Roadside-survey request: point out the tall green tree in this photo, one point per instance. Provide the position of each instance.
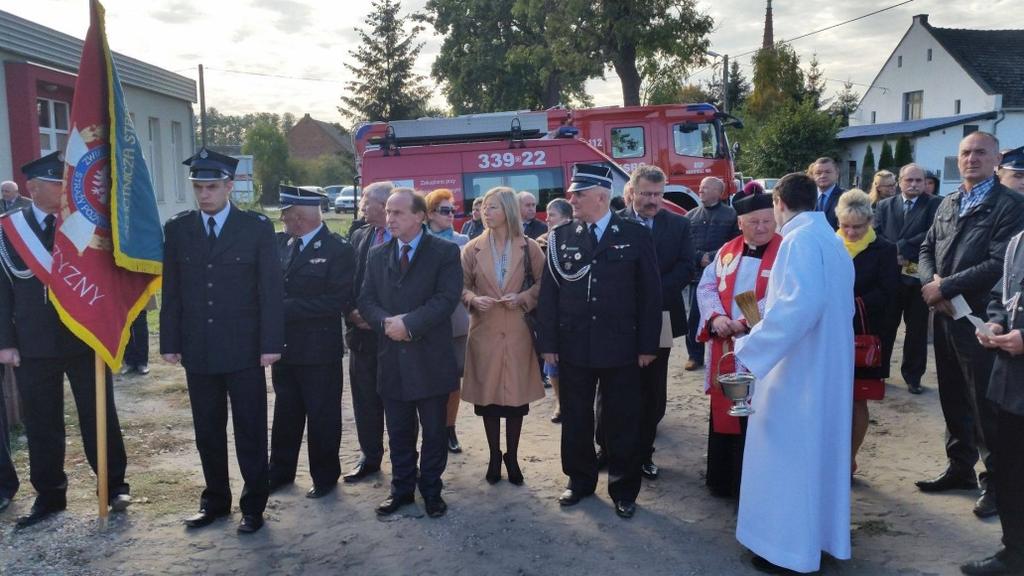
(738, 88)
(903, 154)
(844, 104)
(867, 168)
(385, 86)
(814, 83)
(792, 137)
(778, 80)
(269, 149)
(885, 158)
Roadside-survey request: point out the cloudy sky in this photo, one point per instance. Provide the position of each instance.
(286, 55)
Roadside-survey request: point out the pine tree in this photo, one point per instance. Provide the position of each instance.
(885, 159)
(814, 83)
(867, 170)
(903, 155)
(844, 104)
(385, 86)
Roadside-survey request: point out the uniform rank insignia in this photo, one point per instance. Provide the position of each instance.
(316, 246)
(318, 260)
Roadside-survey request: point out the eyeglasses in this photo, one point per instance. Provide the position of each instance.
(445, 210)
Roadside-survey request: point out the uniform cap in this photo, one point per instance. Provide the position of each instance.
(208, 166)
(586, 176)
(49, 168)
(294, 196)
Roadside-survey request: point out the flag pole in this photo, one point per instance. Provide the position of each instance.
(101, 437)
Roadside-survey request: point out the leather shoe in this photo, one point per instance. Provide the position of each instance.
(949, 480)
(250, 523)
(762, 565)
(120, 502)
(571, 497)
(392, 503)
(453, 441)
(1002, 562)
(692, 365)
(4, 503)
(38, 513)
(985, 507)
(320, 491)
(914, 387)
(602, 459)
(625, 509)
(649, 470)
(435, 506)
(556, 418)
(362, 471)
(203, 518)
(142, 369)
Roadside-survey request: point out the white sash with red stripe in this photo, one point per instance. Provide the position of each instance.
(15, 228)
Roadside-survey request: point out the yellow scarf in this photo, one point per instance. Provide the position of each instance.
(857, 247)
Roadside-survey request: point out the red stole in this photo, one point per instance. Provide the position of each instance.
(727, 268)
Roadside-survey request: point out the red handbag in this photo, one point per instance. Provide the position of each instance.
(867, 347)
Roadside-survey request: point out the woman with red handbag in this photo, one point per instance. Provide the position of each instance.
(875, 288)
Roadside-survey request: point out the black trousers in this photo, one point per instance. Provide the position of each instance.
(694, 348)
(209, 394)
(1009, 479)
(403, 429)
(622, 406)
(137, 351)
(915, 341)
(41, 386)
(306, 395)
(366, 403)
(8, 475)
(725, 460)
(963, 367)
(653, 380)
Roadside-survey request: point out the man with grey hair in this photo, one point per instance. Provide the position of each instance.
(11, 197)
(532, 227)
(903, 220)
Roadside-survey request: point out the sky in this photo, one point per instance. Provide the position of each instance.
(287, 55)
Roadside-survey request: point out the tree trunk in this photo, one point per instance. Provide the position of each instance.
(553, 91)
(625, 67)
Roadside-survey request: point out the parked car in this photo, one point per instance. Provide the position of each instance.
(325, 205)
(332, 192)
(345, 201)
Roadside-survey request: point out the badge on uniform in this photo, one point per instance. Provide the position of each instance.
(577, 256)
(579, 229)
(317, 260)
(615, 228)
(316, 245)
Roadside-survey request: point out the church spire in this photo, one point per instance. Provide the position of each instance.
(769, 33)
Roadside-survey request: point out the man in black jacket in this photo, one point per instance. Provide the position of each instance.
(962, 255)
(825, 172)
(410, 290)
(223, 319)
(532, 227)
(318, 272)
(904, 220)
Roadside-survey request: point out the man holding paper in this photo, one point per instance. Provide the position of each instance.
(961, 259)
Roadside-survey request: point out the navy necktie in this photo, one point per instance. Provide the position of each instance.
(48, 231)
(211, 234)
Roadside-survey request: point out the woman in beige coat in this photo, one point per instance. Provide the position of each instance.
(501, 374)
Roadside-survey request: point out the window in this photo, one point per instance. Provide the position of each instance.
(178, 152)
(950, 170)
(913, 104)
(956, 106)
(53, 125)
(970, 129)
(873, 116)
(628, 142)
(929, 54)
(692, 139)
(899, 61)
(545, 184)
(156, 157)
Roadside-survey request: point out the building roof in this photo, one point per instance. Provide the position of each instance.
(910, 127)
(993, 58)
(332, 131)
(42, 45)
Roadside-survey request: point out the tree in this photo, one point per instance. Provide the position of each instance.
(385, 86)
(792, 137)
(814, 83)
(778, 80)
(844, 104)
(885, 159)
(867, 169)
(322, 171)
(903, 155)
(265, 142)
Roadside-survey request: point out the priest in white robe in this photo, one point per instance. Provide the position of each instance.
(795, 491)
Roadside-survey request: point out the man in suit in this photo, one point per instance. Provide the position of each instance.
(362, 340)
(411, 287)
(600, 320)
(43, 351)
(223, 319)
(10, 198)
(674, 249)
(532, 227)
(903, 220)
(825, 173)
(962, 255)
(318, 273)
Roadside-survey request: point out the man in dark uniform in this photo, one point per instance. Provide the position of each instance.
(600, 321)
(1011, 170)
(42, 350)
(1006, 391)
(223, 319)
(318, 268)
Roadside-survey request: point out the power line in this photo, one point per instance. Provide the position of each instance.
(281, 76)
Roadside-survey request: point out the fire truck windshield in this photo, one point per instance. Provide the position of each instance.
(544, 184)
(696, 139)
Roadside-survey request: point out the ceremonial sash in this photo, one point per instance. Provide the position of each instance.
(727, 266)
(31, 249)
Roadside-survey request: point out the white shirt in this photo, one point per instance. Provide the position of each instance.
(40, 216)
(218, 220)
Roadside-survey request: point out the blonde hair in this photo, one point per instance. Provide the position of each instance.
(854, 202)
(879, 176)
(509, 202)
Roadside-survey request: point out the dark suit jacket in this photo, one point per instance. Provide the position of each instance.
(28, 321)
(535, 228)
(222, 307)
(358, 339)
(673, 246)
(1008, 371)
(830, 208)
(877, 284)
(317, 295)
(19, 202)
(426, 295)
(906, 231)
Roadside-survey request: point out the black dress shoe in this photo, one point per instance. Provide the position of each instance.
(453, 441)
(1002, 562)
(435, 506)
(493, 474)
(38, 513)
(362, 471)
(625, 509)
(949, 480)
(985, 507)
(602, 460)
(571, 497)
(392, 503)
(649, 470)
(203, 518)
(4, 503)
(320, 491)
(914, 388)
(250, 523)
(556, 418)
(142, 369)
(762, 565)
(515, 474)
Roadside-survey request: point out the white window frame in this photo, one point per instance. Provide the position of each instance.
(52, 131)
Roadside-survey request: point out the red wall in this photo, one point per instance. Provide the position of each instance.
(25, 83)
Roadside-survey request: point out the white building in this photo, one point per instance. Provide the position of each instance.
(938, 85)
(37, 82)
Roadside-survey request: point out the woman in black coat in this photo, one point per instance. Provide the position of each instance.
(876, 286)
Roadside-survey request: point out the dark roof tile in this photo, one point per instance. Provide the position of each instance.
(994, 58)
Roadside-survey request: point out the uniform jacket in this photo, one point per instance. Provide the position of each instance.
(318, 293)
(877, 284)
(674, 249)
(28, 321)
(710, 229)
(612, 314)
(222, 307)
(1006, 308)
(426, 295)
(967, 253)
(17, 203)
(906, 231)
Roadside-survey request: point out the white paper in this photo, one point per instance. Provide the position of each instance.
(980, 325)
(960, 307)
(665, 341)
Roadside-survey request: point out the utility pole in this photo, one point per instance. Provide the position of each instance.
(202, 107)
(725, 83)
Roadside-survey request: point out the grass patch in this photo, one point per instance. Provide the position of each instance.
(160, 492)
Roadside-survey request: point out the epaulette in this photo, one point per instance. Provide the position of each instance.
(258, 215)
(181, 214)
(632, 222)
(338, 237)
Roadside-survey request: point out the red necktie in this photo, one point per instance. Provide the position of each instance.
(403, 263)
